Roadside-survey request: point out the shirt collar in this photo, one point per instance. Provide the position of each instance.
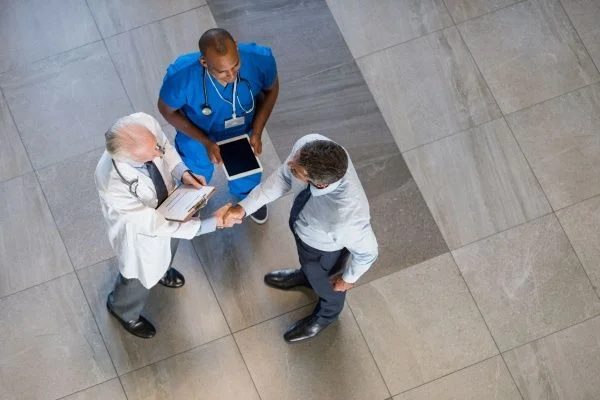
(315, 191)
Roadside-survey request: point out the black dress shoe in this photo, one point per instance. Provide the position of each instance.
(140, 328)
(172, 279)
(304, 329)
(286, 279)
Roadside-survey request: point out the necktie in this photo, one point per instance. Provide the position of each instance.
(299, 203)
(159, 183)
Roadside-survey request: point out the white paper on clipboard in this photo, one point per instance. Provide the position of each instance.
(184, 201)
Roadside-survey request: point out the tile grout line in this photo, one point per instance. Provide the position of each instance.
(369, 348)
(91, 387)
(578, 36)
(485, 322)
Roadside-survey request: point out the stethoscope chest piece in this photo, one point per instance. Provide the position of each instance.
(206, 110)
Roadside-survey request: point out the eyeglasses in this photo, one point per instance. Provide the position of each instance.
(160, 148)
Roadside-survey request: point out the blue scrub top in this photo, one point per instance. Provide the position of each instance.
(183, 89)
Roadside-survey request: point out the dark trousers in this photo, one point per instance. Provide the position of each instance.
(129, 296)
(318, 266)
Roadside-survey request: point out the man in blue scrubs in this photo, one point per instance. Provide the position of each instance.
(225, 90)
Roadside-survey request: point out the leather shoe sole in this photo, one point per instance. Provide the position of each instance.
(141, 328)
(173, 279)
(286, 279)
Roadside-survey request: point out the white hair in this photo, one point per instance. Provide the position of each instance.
(120, 139)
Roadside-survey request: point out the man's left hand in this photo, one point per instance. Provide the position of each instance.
(188, 179)
(339, 285)
(256, 142)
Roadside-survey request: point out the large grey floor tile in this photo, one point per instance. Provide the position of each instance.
(561, 140)
(73, 199)
(421, 323)
(110, 390)
(489, 380)
(334, 365)
(585, 14)
(303, 34)
(406, 232)
(528, 53)
(466, 9)
(592, 42)
(477, 183)
(428, 88)
(32, 30)
(562, 366)
(142, 55)
(212, 371)
(338, 104)
(114, 16)
(30, 245)
(580, 223)
(184, 318)
(369, 27)
(13, 158)
(63, 105)
(527, 282)
(50, 344)
(237, 259)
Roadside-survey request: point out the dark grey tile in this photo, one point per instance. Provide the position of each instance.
(13, 158)
(35, 29)
(31, 251)
(63, 105)
(338, 104)
(73, 199)
(405, 229)
(303, 34)
(114, 16)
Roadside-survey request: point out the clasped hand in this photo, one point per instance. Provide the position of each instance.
(229, 215)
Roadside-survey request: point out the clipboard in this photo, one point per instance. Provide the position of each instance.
(185, 201)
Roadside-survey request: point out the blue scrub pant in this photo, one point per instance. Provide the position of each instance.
(195, 157)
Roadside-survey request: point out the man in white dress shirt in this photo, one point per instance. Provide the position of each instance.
(134, 176)
(330, 220)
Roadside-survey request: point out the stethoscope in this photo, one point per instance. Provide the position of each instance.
(133, 184)
(207, 110)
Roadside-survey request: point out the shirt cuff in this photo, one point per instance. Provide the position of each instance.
(178, 171)
(208, 225)
(246, 204)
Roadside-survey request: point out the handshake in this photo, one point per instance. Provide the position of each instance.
(229, 215)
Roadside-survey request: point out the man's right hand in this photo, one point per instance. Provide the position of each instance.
(214, 153)
(233, 214)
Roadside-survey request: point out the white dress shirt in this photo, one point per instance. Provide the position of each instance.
(333, 218)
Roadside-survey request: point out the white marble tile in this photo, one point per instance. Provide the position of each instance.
(30, 245)
(35, 29)
(115, 16)
(562, 366)
(528, 53)
(561, 141)
(476, 183)
(142, 55)
(63, 105)
(73, 199)
(462, 10)
(13, 158)
(369, 27)
(51, 346)
(489, 380)
(212, 371)
(110, 390)
(334, 365)
(184, 318)
(428, 88)
(527, 282)
(421, 323)
(580, 223)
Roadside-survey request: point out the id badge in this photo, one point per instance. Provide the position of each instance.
(233, 122)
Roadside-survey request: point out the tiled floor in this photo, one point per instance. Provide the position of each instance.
(474, 126)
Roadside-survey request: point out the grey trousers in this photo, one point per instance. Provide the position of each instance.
(129, 296)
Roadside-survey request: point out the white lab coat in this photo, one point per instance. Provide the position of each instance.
(138, 234)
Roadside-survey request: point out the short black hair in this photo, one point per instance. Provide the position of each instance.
(325, 161)
(217, 39)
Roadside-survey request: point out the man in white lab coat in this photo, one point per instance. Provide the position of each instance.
(134, 175)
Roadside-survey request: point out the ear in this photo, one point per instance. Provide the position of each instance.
(203, 61)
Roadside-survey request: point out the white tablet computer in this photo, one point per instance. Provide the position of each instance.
(238, 158)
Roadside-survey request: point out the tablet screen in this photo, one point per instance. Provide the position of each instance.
(238, 157)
